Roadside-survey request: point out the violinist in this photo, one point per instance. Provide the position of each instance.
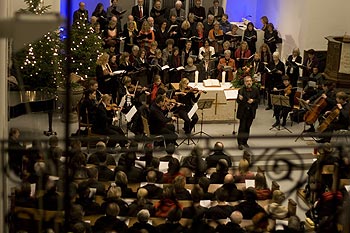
(187, 96)
(159, 123)
(282, 111)
(156, 85)
(227, 64)
(104, 124)
(93, 86)
(88, 106)
(276, 70)
(341, 121)
(327, 94)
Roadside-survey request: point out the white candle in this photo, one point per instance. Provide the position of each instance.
(223, 77)
(196, 73)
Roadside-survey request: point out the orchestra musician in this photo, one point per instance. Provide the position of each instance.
(93, 86)
(154, 87)
(187, 96)
(248, 100)
(88, 106)
(341, 121)
(159, 123)
(282, 111)
(328, 94)
(226, 62)
(104, 124)
(276, 70)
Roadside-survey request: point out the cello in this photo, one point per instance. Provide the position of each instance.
(330, 118)
(311, 116)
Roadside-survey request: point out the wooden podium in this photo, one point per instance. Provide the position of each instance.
(338, 61)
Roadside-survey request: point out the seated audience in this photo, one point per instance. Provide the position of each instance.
(222, 210)
(104, 173)
(249, 207)
(154, 191)
(92, 182)
(95, 157)
(121, 180)
(204, 183)
(275, 209)
(141, 203)
(262, 190)
(243, 172)
(110, 222)
(167, 203)
(173, 171)
(134, 174)
(23, 197)
(221, 171)
(114, 195)
(229, 186)
(180, 191)
(172, 224)
(195, 211)
(76, 217)
(218, 154)
(87, 200)
(233, 225)
(195, 164)
(143, 216)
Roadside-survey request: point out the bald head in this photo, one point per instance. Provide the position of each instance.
(142, 193)
(228, 179)
(219, 146)
(151, 176)
(236, 217)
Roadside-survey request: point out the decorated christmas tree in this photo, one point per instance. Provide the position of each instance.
(39, 64)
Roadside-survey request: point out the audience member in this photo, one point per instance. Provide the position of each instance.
(76, 217)
(92, 182)
(262, 190)
(180, 191)
(172, 224)
(195, 211)
(249, 207)
(110, 222)
(218, 154)
(243, 172)
(167, 203)
(173, 171)
(143, 216)
(142, 202)
(104, 173)
(95, 157)
(121, 180)
(87, 200)
(275, 209)
(204, 183)
(229, 186)
(222, 210)
(114, 195)
(154, 191)
(234, 224)
(221, 171)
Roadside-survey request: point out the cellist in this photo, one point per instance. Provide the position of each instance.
(340, 122)
(327, 93)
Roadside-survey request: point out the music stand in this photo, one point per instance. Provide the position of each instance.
(282, 101)
(305, 105)
(203, 104)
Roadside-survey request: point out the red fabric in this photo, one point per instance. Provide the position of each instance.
(163, 207)
(154, 92)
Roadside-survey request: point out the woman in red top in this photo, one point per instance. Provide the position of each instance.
(147, 36)
(173, 171)
(242, 53)
(167, 203)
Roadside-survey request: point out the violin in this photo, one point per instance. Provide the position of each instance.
(193, 90)
(136, 88)
(112, 107)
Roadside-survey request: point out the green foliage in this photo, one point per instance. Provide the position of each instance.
(40, 63)
(35, 7)
(246, 70)
(86, 47)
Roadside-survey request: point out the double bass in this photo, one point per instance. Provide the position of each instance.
(311, 116)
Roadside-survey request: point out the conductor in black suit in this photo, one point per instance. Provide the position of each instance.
(103, 124)
(248, 100)
(140, 13)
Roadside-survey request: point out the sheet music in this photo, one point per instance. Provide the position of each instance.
(131, 113)
(163, 166)
(122, 101)
(140, 164)
(231, 94)
(249, 183)
(32, 190)
(119, 72)
(192, 111)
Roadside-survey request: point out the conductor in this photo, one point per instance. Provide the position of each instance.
(248, 100)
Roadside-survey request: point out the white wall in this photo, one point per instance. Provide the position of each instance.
(15, 5)
(305, 23)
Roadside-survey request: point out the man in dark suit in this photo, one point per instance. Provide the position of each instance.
(159, 123)
(81, 15)
(216, 10)
(140, 13)
(154, 191)
(103, 124)
(218, 154)
(248, 100)
(198, 11)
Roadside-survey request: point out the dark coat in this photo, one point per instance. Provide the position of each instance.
(244, 108)
(154, 192)
(107, 223)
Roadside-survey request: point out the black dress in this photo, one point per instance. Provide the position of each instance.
(251, 40)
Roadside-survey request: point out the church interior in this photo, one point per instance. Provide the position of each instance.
(175, 116)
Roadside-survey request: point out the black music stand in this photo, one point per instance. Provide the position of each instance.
(305, 105)
(282, 101)
(203, 104)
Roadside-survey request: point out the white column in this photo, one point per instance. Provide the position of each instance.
(223, 4)
(3, 110)
(187, 7)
